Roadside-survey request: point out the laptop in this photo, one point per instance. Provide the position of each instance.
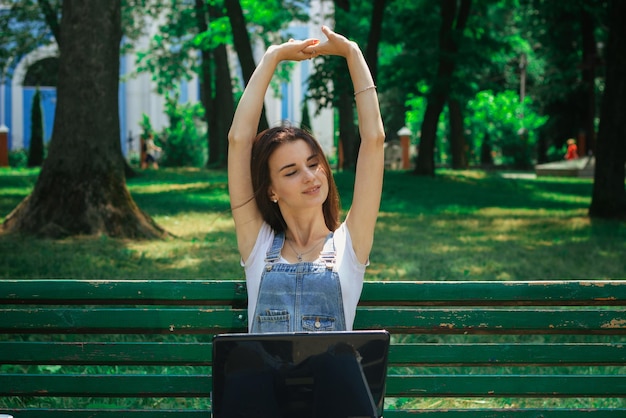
(339, 374)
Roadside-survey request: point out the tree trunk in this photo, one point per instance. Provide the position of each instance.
(347, 131)
(206, 85)
(342, 86)
(458, 148)
(609, 196)
(243, 47)
(81, 188)
(373, 39)
(225, 104)
(590, 58)
(448, 46)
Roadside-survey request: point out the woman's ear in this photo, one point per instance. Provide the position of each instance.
(272, 196)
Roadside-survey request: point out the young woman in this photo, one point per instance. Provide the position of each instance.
(304, 268)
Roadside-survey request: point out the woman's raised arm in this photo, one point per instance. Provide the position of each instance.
(246, 214)
(361, 219)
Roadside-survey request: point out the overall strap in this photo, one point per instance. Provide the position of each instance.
(273, 254)
(329, 253)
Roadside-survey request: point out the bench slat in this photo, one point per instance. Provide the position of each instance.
(438, 385)
(604, 292)
(505, 321)
(105, 385)
(425, 354)
(107, 413)
(403, 320)
(123, 320)
(539, 292)
(508, 413)
(122, 291)
(106, 353)
(503, 354)
(461, 413)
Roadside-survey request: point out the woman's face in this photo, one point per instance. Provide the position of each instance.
(298, 179)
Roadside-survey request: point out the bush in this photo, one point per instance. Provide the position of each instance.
(184, 142)
(510, 124)
(18, 158)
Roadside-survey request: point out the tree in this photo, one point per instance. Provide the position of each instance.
(81, 188)
(361, 22)
(35, 151)
(453, 19)
(241, 40)
(609, 196)
(342, 91)
(565, 38)
(216, 83)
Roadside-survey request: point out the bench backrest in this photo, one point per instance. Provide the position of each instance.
(148, 345)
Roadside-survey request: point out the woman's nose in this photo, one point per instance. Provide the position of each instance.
(309, 174)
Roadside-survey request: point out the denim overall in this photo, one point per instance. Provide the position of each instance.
(299, 297)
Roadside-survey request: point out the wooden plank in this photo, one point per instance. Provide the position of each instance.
(562, 292)
(106, 353)
(439, 385)
(498, 321)
(122, 320)
(508, 413)
(52, 291)
(600, 292)
(107, 413)
(414, 354)
(109, 385)
(443, 413)
(463, 413)
(549, 386)
(399, 320)
(507, 354)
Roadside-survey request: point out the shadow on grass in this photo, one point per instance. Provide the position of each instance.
(455, 226)
(455, 193)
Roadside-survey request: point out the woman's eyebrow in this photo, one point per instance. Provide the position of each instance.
(290, 165)
(286, 167)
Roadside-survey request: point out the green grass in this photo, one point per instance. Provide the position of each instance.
(468, 225)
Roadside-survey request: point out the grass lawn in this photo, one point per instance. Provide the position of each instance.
(468, 225)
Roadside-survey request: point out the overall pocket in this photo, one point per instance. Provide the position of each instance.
(318, 323)
(273, 320)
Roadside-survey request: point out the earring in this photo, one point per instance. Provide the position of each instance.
(275, 200)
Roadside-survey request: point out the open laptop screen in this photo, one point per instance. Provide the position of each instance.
(319, 374)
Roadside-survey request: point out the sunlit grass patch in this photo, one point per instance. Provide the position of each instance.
(458, 225)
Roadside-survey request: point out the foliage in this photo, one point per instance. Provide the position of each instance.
(18, 158)
(183, 141)
(494, 117)
(23, 30)
(146, 127)
(511, 125)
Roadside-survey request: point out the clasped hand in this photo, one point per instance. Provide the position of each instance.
(294, 50)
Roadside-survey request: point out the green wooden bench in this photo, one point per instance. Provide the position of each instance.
(133, 348)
